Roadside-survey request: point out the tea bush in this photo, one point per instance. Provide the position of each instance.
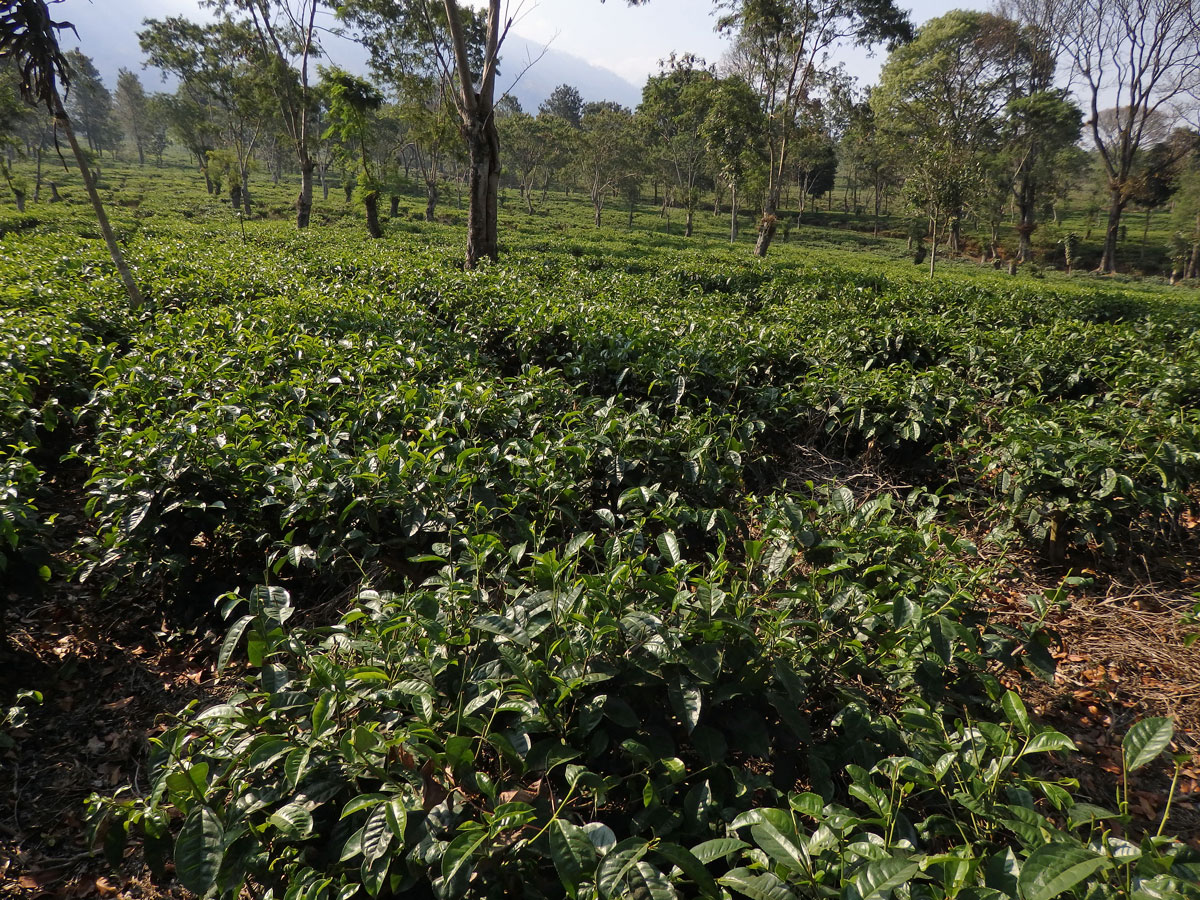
(606, 636)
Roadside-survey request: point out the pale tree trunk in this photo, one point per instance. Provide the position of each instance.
(64, 122)
(933, 246)
(1194, 267)
(733, 218)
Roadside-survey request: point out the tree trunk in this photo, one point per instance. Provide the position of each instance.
(394, 210)
(733, 218)
(304, 201)
(247, 202)
(20, 197)
(1145, 239)
(933, 248)
(768, 225)
(64, 122)
(1026, 219)
(631, 205)
(37, 184)
(1108, 262)
(55, 197)
(687, 231)
(431, 199)
(528, 191)
(483, 141)
(371, 202)
(1194, 267)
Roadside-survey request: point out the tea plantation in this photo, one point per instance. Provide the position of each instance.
(627, 567)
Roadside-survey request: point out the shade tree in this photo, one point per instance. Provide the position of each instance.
(1133, 62)
(284, 39)
(949, 89)
(733, 131)
(780, 47)
(566, 103)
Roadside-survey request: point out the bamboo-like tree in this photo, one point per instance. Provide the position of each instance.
(29, 37)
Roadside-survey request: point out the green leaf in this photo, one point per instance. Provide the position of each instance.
(397, 818)
(781, 848)
(199, 851)
(614, 871)
(842, 501)
(757, 887)
(293, 820)
(577, 543)
(573, 854)
(232, 639)
(503, 627)
(668, 546)
(1048, 741)
(458, 862)
(647, 883)
(1015, 710)
(880, 876)
(1053, 869)
(690, 866)
(377, 834)
(686, 699)
(1145, 741)
(719, 848)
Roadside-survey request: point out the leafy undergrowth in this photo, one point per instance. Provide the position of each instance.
(585, 575)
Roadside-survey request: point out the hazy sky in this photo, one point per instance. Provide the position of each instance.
(629, 41)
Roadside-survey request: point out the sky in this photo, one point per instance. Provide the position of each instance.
(627, 41)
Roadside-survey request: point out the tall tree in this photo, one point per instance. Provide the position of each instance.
(89, 102)
(733, 131)
(532, 145)
(29, 37)
(15, 117)
(285, 32)
(219, 81)
(133, 112)
(1133, 61)
(566, 102)
(605, 155)
(864, 151)
(781, 46)
(674, 105)
(352, 101)
(950, 87)
(469, 67)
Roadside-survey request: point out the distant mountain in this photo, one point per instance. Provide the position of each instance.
(554, 68)
(111, 41)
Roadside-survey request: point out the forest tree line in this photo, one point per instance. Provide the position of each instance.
(981, 126)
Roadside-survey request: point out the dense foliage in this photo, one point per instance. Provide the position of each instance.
(611, 615)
